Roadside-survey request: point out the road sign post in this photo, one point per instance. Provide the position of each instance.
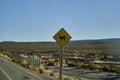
(61, 37)
(61, 61)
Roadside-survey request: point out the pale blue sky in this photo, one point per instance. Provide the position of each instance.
(39, 20)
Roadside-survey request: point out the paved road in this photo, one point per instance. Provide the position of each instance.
(3, 75)
(15, 73)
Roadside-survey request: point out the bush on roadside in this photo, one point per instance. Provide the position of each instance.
(30, 67)
(52, 74)
(35, 68)
(15, 60)
(24, 63)
(42, 69)
(67, 78)
(1, 55)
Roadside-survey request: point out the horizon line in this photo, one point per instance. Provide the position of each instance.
(55, 41)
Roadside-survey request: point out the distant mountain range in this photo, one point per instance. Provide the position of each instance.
(8, 42)
(110, 40)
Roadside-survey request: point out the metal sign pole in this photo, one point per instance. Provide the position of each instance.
(61, 61)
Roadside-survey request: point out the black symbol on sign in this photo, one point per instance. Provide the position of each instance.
(62, 37)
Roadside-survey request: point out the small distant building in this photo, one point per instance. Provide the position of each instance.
(75, 58)
(24, 56)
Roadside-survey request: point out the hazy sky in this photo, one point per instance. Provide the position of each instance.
(39, 20)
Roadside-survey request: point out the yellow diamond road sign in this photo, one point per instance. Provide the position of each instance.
(62, 37)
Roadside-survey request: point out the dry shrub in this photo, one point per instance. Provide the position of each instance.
(30, 67)
(42, 69)
(67, 78)
(52, 74)
(1, 55)
(35, 68)
(24, 63)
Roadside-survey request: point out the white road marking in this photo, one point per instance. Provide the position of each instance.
(5, 73)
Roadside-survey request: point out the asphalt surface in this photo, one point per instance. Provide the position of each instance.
(14, 73)
(3, 76)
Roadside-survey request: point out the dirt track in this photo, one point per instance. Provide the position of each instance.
(87, 74)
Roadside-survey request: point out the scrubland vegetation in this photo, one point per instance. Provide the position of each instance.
(86, 53)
